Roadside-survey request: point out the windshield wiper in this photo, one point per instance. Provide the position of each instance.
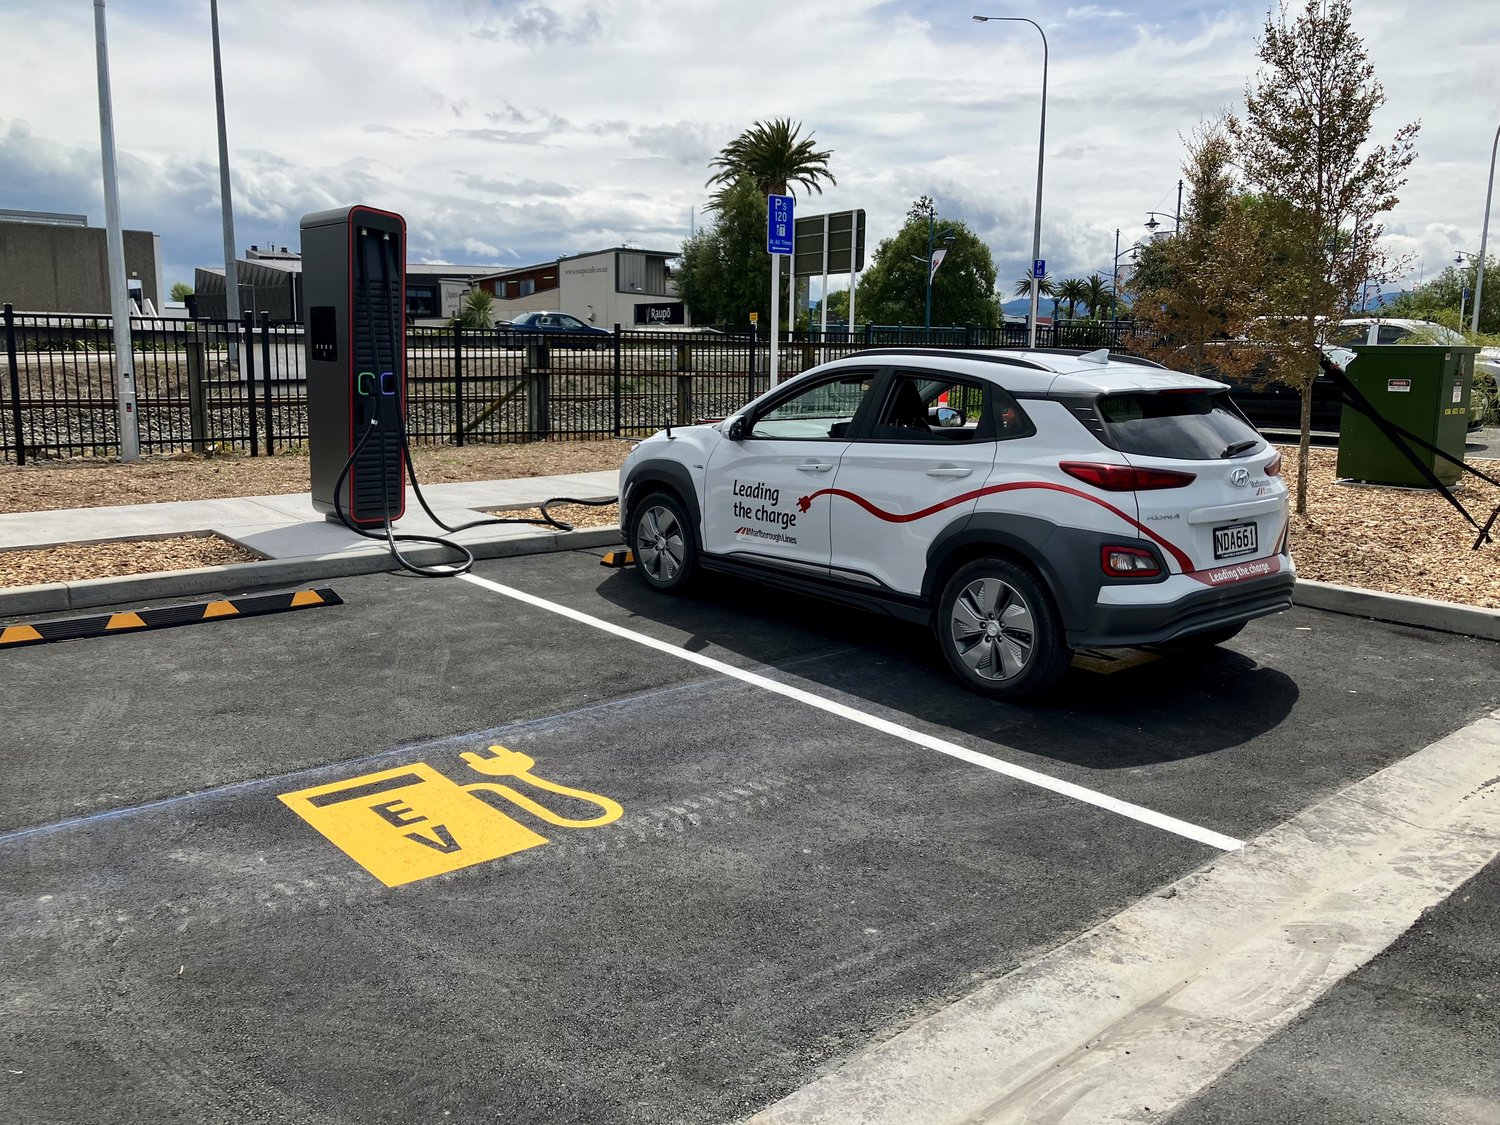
(1239, 447)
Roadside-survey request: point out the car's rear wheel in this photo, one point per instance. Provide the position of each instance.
(1197, 642)
(662, 541)
(999, 630)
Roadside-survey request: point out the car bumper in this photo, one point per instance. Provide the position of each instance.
(1122, 624)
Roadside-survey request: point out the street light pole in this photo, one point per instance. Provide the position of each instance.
(1485, 233)
(1041, 145)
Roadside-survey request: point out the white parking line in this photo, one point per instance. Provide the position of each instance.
(885, 726)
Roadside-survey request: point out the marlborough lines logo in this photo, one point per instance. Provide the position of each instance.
(805, 502)
(412, 823)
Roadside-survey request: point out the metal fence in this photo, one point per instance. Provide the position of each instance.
(243, 385)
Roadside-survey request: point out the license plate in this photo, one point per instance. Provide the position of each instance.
(1235, 540)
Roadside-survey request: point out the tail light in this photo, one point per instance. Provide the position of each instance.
(1128, 562)
(1125, 478)
(1274, 468)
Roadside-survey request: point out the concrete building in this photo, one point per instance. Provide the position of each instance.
(622, 285)
(57, 263)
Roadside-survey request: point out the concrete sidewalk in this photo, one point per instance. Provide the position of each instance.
(297, 543)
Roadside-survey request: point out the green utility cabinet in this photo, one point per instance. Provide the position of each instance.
(1423, 388)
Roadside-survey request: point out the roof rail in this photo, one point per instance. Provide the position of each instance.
(985, 355)
(1115, 357)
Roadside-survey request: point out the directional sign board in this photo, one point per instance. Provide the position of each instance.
(778, 224)
(846, 232)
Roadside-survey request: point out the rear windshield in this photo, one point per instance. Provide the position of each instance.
(1198, 426)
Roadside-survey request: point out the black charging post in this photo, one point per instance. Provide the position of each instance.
(354, 291)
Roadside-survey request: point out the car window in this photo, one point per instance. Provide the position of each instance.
(1391, 334)
(820, 411)
(932, 408)
(1349, 335)
(569, 322)
(1192, 426)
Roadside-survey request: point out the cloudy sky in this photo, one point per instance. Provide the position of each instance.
(514, 131)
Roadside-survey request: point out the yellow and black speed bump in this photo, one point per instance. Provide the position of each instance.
(617, 559)
(99, 625)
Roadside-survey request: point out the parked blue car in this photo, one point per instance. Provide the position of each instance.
(555, 329)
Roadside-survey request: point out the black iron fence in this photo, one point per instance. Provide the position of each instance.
(205, 384)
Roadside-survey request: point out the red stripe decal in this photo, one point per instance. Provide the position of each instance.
(989, 490)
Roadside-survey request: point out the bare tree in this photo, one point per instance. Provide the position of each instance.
(1304, 145)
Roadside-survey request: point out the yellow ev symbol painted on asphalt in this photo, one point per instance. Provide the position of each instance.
(412, 823)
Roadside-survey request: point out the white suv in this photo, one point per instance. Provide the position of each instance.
(1020, 503)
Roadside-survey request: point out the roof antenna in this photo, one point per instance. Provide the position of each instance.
(1100, 355)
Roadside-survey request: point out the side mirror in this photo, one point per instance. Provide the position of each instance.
(736, 431)
(947, 417)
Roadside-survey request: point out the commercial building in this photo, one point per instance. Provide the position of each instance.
(622, 285)
(57, 263)
(270, 281)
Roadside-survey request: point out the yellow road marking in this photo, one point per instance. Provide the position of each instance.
(219, 609)
(125, 621)
(13, 633)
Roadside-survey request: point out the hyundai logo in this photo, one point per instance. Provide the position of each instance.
(1239, 477)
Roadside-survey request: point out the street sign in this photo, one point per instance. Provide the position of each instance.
(779, 227)
(846, 232)
(1039, 268)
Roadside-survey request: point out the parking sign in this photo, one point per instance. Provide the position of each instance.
(780, 229)
(1039, 268)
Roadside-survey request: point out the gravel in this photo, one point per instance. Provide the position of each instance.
(1399, 541)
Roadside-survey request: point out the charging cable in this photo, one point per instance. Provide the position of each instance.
(385, 250)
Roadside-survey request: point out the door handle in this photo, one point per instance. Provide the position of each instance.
(814, 467)
(949, 471)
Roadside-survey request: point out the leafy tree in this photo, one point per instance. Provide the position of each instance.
(1307, 121)
(180, 291)
(477, 310)
(1196, 292)
(1441, 298)
(893, 289)
(1073, 292)
(838, 304)
(723, 272)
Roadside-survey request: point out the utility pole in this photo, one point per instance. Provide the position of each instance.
(119, 296)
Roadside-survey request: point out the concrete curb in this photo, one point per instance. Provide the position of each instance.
(1446, 617)
(53, 597)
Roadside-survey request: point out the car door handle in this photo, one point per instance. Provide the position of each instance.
(814, 467)
(949, 471)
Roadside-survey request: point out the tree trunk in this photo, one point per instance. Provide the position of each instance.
(1304, 445)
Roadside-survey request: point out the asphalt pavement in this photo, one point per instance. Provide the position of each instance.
(272, 869)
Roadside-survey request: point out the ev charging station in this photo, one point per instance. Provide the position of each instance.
(354, 291)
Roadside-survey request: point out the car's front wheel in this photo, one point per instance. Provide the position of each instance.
(999, 630)
(662, 541)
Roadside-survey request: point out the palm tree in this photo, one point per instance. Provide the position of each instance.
(771, 157)
(1096, 296)
(1074, 292)
(1044, 288)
